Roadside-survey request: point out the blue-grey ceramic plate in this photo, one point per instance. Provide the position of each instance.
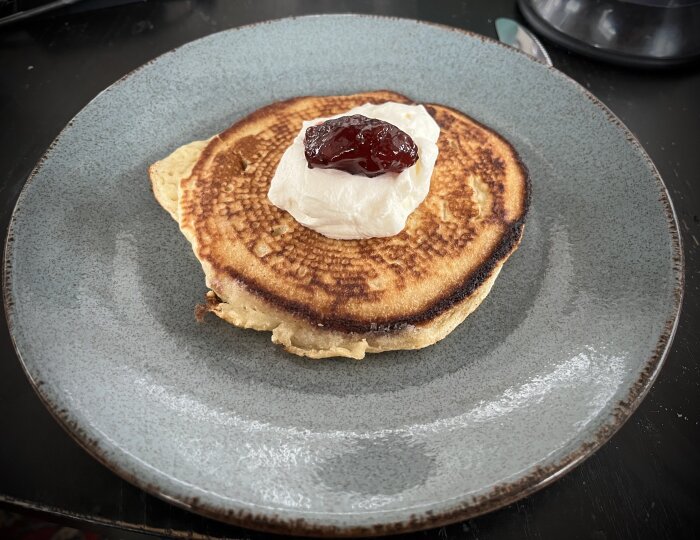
(101, 285)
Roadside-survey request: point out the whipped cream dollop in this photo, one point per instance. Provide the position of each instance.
(346, 206)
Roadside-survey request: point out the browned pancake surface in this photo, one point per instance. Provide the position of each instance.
(471, 220)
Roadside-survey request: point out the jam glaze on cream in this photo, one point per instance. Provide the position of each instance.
(359, 145)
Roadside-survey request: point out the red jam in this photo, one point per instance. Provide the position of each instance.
(359, 145)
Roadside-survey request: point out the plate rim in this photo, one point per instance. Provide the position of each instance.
(461, 509)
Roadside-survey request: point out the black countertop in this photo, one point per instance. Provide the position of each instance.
(644, 483)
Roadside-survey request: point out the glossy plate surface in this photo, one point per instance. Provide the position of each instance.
(100, 288)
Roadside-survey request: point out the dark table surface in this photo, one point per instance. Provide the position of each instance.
(644, 483)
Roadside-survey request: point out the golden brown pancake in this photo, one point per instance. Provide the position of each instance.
(323, 297)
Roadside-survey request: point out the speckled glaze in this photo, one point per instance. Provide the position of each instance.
(100, 288)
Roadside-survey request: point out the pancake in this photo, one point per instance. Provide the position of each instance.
(322, 297)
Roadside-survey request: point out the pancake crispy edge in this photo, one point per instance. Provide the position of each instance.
(181, 180)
